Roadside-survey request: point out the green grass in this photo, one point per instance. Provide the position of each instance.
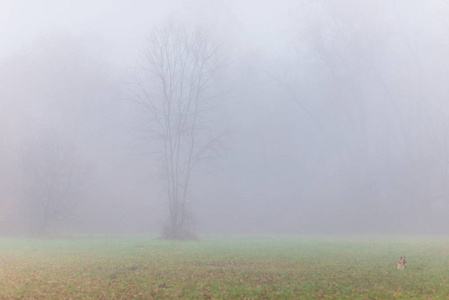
(228, 268)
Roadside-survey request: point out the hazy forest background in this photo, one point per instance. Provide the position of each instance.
(335, 115)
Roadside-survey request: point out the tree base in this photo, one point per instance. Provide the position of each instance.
(168, 233)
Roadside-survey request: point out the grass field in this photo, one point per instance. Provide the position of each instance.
(230, 268)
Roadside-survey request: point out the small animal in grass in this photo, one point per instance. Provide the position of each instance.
(402, 263)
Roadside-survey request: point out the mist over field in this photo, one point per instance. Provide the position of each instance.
(319, 117)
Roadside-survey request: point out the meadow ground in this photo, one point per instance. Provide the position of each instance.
(265, 267)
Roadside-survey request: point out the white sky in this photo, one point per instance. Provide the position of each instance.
(123, 24)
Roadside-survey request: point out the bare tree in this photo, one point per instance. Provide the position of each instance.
(175, 84)
(56, 180)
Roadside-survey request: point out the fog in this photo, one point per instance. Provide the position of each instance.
(333, 117)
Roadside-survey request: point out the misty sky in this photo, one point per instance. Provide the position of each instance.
(337, 112)
(123, 26)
